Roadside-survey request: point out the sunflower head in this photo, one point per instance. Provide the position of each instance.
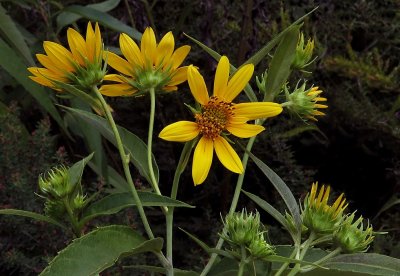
(318, 216)
(352, 236)
(305, 102)
(303, 53)
(153, 65)
(80, 66)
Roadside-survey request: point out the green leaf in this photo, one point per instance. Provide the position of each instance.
(364, 263)
(12, 64)
(67, 18)
(203, 245)
(13, 36)
(134, 146)
(98, 250)
(263, 52)
(76, 170)
(282, 189)
(269, 209)
(104, 19)
(32, 215)
(157, 269)
(248, 90)
(280, 66)
(114, 203)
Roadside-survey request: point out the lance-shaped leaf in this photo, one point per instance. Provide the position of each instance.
(76, 170)
(98, 250)
(31, 215)
(133, 145)
(114, 203)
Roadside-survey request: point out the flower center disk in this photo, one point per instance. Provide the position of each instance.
(214, 117)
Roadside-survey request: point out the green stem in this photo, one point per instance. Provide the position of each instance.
(153, 180)
(234, 202)
(330, 255)
(242, 261)
(125, 163)
(305, 247)
(74, 222)
(174, 191)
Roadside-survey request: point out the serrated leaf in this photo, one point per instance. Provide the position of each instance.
(31, 215)
(133, 145)
(157, 269)
(12, 64)
(67, 18)
(98, 250)
(11, 33)
(104, 19)
(280, 66)
(114, 203)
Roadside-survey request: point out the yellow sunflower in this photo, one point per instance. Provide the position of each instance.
(219, 116)
(82, 66)
(314, 94)
(152, 66)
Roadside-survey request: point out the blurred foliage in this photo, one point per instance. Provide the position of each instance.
(356, 149)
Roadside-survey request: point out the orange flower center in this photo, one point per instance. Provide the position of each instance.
(214, 117)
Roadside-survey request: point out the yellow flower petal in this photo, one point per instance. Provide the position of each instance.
(202, 159)
(97, 41)
(255, 111)
(227, 155)
(181, 131)
(244, 130)
(118, 63)
(46, 62)
(115, 77)
(179, 56)
(42, 81)
(238, 81)
(179, 76)
(119, 89)
(165, 49)
(197, 85)
(130, 50)
(170, 88)
(59, 55)
(221, 77)
(148, 46)
(77, 45)
(47, 74)
(90, 42)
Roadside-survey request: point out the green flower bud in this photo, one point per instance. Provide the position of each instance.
(55, 183)
(242, 228)
(262, 82)
(304, 103)
(54, 209)
(319, 217)
(352, 237)
(79, 202)
(259, 248)
(156, 78)
(303, 53)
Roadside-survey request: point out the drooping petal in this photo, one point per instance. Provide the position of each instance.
(118, 63)
(221, 77)
(130, 50)
(179, 56)
(148, 46)
(244, 130)
(238, 81)
(47, 74)
(165, 49)
(197, 85)
(59, 55)
(118, 89)
(42, 80)
(77, 45)
(259, 110)
(179, 76)
(227, 155)
(202, 159)
(181, 131)
(114, 77)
